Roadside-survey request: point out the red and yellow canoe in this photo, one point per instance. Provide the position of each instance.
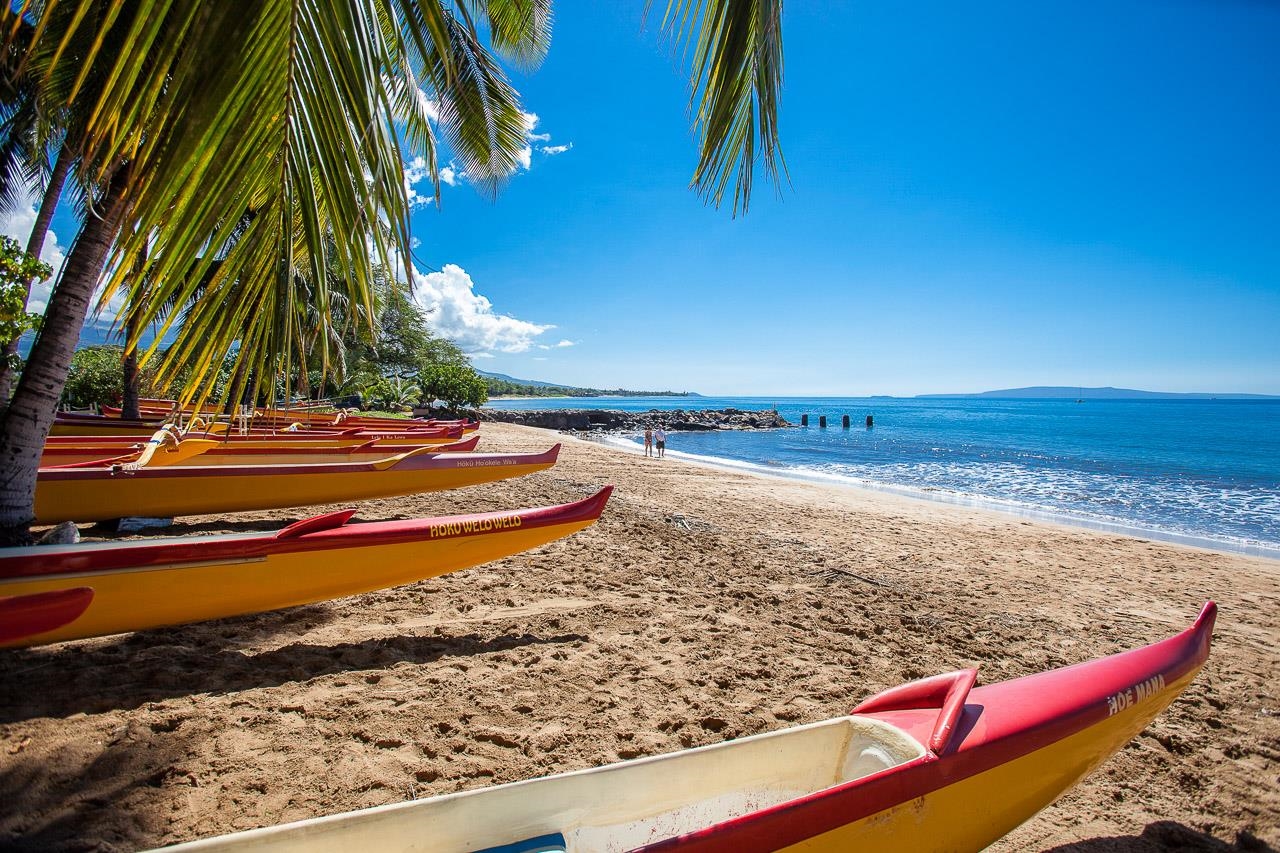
(73, 424)
(157, 582)
(320, 414)
(100, 494)
(196, 451)
(931, 766)
(28, 615)
(255, 438)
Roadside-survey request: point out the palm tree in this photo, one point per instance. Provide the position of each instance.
(28, 144)
(291, 114)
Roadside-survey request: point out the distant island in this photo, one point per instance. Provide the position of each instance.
(1071, 392)
(502, 385)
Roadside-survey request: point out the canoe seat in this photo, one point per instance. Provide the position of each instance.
(553, 843)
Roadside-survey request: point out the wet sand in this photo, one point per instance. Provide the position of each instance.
(705, 605)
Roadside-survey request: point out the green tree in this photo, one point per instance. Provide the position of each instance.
(17, 272)
(452, 384)
(94, 378)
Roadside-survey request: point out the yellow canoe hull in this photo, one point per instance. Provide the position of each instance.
(973, 813)
(152, 595)
(200, 452)
(84, 495)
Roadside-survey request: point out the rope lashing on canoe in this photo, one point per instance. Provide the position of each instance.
(165, 436)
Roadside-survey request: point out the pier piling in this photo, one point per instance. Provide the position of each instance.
(804, 420)
(844, 422)
(822, 421)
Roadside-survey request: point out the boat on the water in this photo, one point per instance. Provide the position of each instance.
(101, 494)
(150, 583)
(23, 616)
(932, 765)
(199, 451)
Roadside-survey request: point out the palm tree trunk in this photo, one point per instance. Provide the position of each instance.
(35, 243)
(25, 424)
(129, 407)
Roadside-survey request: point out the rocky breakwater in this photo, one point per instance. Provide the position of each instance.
(613, 420)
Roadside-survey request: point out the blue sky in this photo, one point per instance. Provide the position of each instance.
(982, 196)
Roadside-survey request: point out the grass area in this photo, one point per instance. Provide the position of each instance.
(382, 413)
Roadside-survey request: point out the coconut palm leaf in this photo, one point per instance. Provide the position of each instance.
(287, 109)
(519, 30)
(736, 73)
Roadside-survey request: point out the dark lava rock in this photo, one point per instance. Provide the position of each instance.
(612, 420)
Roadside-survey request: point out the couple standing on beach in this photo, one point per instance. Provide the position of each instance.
(649, 436)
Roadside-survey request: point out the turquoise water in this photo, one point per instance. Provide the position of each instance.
(1200, 471)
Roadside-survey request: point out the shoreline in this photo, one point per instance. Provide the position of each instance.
(705, 605)
(1044, 516)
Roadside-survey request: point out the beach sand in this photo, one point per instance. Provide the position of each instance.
(705, 605)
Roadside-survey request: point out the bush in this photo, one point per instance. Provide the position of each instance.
(18, 271)
(453, 384)
(95, 378)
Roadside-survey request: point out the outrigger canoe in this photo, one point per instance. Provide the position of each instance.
(149, 408)
(268, 438)
(81, 424)
(933, 765)
(100, 494)
(197, 451)
(156, 582)
(23, 616)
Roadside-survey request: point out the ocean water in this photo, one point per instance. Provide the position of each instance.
(1204, 472)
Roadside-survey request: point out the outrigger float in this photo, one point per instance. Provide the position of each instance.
(157, 582)
(931, 766)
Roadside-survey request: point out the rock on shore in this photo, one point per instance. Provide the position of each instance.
(612, 420)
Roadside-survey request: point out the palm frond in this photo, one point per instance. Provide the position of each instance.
(736, 75)
(479, 110)
(519, 30)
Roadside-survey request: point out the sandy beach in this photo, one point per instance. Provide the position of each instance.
(705, 605)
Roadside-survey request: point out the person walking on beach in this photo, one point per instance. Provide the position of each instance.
(648, 441)
(661, 436)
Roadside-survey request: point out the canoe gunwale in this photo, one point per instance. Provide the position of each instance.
(417, 459)
(84, 559)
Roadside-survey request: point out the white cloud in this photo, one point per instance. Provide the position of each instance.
(453, 176)
(18, 225)
(467, 318)
(428, 106)
(530, 122)
(560, 345)
(414, 174)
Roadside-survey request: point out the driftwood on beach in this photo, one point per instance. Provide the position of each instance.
(613, 420)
